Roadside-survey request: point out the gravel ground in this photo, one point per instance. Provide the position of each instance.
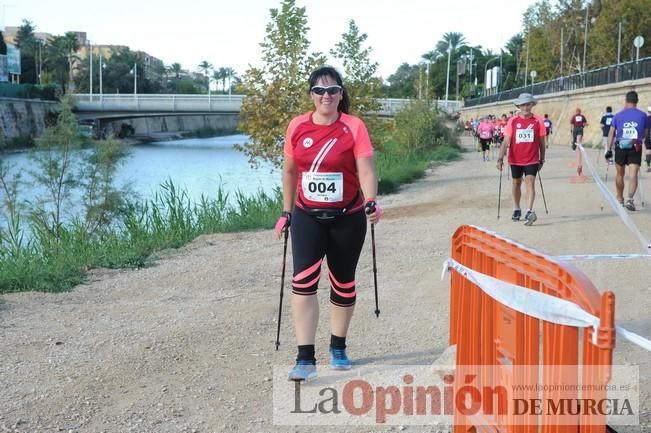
(187, 345)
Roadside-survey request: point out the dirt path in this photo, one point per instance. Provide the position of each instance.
(187, 345)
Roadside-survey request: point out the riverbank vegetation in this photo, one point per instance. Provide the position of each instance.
(43, 248)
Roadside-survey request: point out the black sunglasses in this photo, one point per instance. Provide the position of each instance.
(331, 90)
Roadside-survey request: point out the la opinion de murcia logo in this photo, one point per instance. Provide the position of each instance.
(308, 142)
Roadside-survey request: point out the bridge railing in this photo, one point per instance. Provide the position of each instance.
(207, 103)
(158, 102)
(626, 71)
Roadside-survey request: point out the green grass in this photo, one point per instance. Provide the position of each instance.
(169, 220)
(395, 168)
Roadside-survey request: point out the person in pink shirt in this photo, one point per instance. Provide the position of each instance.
(485, 132)
(525, 137)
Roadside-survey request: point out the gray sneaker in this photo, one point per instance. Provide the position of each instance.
(629, 204)
(530, 218)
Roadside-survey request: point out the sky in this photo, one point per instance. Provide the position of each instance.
(229, 33)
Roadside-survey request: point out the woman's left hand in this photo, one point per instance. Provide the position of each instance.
(373, 211)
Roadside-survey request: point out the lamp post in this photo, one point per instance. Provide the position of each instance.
(134, 71)
(101, 67)
(533, 78)
(585, 35)
(447, 81)
(90, 56)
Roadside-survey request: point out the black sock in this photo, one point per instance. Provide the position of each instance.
(337, 342)
(306, 353)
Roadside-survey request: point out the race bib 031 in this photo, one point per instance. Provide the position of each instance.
(524, 136)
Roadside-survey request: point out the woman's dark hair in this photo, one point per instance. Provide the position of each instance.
(329, 71)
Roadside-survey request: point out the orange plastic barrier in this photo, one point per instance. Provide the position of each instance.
(507, 347)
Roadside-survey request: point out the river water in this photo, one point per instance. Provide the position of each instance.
(197, 165)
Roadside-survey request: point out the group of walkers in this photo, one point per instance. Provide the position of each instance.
(330, 193)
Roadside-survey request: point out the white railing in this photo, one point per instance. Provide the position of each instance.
(205, 103)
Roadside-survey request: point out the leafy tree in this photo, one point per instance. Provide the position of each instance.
(3, 45)
(276, 91)
(403, 83)
(54, 171)
(117, 75)
(602, 41)
(28, 43)
(359, 71)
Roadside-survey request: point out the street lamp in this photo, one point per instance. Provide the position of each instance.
(533, 78)
(134, 71)
(90, 86)
(447, 81)
(101, 68)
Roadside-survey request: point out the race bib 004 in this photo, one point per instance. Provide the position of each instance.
(524, 135)
(323, 187)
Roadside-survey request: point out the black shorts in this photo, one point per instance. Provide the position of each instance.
(340, 240)
(485, 143)
(577, 131)
(518, 170)
(627, 156)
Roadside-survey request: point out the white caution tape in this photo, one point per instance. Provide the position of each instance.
(571, 257)
(614, 204)
(537, 304)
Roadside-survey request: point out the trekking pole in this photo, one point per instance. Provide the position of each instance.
(499, 194)
(605, 183)
(282, 287)
(543, 193)
(377, 308)
(369, 210)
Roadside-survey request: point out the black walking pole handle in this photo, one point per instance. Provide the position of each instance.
(282, 287)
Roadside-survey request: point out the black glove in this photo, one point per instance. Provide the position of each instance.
(609, 155)
(369, 207)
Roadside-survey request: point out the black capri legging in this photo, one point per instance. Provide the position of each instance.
(340, 240)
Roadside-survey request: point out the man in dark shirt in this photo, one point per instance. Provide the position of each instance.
(606, 120)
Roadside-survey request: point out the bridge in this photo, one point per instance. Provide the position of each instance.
(107, 106)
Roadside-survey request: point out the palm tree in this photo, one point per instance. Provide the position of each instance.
(59, 56)
(230, 74)
(205, 67)
(176, 69)
(219, 76)
(452, 40)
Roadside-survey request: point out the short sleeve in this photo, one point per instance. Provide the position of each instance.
(288, 148)
(362, 147)
(508, 130)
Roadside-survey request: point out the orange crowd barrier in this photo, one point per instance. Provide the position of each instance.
(503, 347)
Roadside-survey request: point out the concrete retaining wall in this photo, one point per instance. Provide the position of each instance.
(160, 124)
(24, 116)
(560, 106)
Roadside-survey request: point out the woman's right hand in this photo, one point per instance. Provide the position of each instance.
(283, 223)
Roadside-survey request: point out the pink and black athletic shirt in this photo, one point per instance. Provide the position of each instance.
(526, 136)
(325, 156)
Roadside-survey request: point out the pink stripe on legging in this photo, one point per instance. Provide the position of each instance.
(342, 285)
(304, 285)
(309, 271)
(342, 294)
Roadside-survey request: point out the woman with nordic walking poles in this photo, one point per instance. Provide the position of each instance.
(525, 136)
(329, 190)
